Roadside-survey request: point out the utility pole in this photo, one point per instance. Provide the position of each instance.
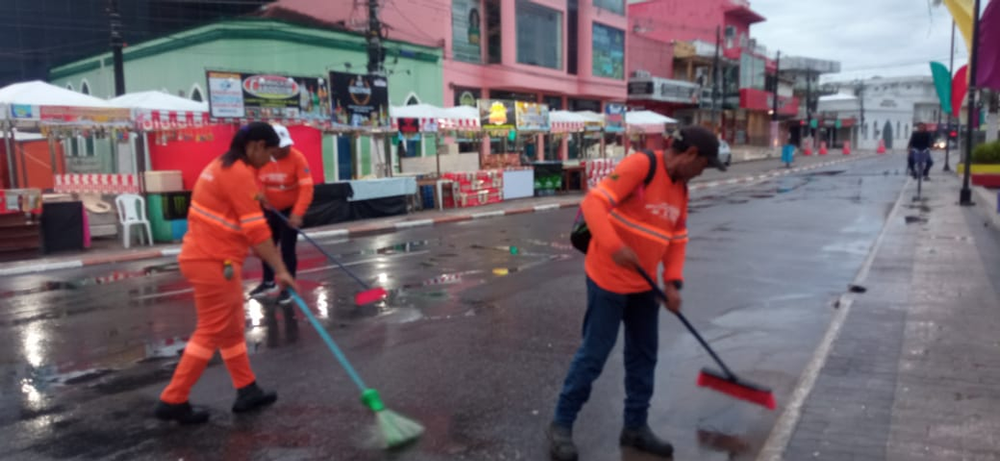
(809, 110)
(116, 46)
(947, 135)
(775, 129)
(863, 126)
(965, 197)
(375, 54)
(716, 75)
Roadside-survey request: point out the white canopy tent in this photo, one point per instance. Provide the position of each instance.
(646, 121)
(158, 101)
(564, 121)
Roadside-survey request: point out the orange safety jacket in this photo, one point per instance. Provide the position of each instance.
(651, 220)
(225, 218)
(287, 183)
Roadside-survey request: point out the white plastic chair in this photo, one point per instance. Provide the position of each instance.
(132, 212)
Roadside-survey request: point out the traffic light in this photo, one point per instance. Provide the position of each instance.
(953, 134)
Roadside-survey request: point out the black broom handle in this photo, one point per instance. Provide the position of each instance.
(321, 249)
(663, 296)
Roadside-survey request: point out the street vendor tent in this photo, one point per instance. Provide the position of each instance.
(564, 121)
(460, 117)
(158, 101)
(39, 93)
(646, 121)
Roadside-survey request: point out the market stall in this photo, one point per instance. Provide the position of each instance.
(83, 138)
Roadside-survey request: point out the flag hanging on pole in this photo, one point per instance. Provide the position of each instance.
(942, 82)
(988, 66)
(959, 86)
(961, 12)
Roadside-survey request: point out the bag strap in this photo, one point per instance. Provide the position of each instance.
(652, 167)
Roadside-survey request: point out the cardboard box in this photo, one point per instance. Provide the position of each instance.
(164, 181)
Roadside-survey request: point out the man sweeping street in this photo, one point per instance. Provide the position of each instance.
(637, 217)
(288, 189)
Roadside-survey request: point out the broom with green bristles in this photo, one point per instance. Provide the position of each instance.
(393, 430)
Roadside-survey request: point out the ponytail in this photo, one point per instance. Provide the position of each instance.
(255, 131)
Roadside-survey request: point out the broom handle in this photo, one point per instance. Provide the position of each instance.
(321, 250)
(329, 341)
(663, 296)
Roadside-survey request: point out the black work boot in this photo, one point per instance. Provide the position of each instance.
(253, 397)
(183, 413)
(561, 446)
(643, 439)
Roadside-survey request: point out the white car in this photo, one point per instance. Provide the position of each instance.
(725, 153)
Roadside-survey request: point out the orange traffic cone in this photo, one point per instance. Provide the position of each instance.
(847, 148)
(881, 146)
(822, 148)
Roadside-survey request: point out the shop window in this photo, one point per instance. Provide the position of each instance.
(539, 35)
(554, 102)
(614, 6)
(69, 86)
(608, 52)
(494, 32)
(572, 35)
(85, 87)
(196, 94)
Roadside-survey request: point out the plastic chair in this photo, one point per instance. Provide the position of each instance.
(132, 212)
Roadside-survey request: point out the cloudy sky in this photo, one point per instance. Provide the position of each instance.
(868, 37)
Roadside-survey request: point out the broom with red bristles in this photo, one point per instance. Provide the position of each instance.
(369, 295)
(726, 382)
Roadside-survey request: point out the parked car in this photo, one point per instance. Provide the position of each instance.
(725, 153)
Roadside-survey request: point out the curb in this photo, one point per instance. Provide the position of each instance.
(370, 229)
(984, 200)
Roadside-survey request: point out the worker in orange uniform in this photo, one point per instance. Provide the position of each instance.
(288, 189)
(637, 217)
(224, 221)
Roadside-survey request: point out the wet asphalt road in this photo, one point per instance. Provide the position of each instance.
(474, 340)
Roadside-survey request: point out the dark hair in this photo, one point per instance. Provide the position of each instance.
(255, 131)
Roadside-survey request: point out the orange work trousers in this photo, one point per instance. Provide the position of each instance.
(219, 303)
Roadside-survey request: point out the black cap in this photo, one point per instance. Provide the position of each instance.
(701, 138)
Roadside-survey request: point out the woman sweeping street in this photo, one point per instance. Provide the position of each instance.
(225, 220)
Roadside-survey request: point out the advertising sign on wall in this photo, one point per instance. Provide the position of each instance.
(265, 96)
(466, 22)
(496, 114)
(609, 52)
(532, 116)
(359, 100)
(614, 118)
(467, 96)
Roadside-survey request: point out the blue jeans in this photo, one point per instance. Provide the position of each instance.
(605, 312)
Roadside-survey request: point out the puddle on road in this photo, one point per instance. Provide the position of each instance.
(733, 445)
(81, 283)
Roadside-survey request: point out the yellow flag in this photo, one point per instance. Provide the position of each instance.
(961, 11)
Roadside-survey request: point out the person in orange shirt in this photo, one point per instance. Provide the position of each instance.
(288, 189)
(224, 221)
(633, 224)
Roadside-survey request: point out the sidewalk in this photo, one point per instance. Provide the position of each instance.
(909, 369)
(743, 173)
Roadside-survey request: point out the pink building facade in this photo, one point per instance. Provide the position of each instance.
(569, 54)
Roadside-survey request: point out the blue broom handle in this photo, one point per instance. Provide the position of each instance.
(321, 250)
(329, 341)
(663, 296)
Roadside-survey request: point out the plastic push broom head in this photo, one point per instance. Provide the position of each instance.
(737, 388)
(373, 295)
(393, 430)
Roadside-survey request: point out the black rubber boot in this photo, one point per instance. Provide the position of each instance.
(561, 446)
(253, 397)
(183, 413)
(643, 439)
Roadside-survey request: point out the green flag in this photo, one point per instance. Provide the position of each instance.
(942, 81)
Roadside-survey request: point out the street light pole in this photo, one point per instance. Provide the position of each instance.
(965, 197)
(951, 71)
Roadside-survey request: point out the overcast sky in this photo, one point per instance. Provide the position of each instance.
(868, 37)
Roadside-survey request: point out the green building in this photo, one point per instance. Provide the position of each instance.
(177, 63)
